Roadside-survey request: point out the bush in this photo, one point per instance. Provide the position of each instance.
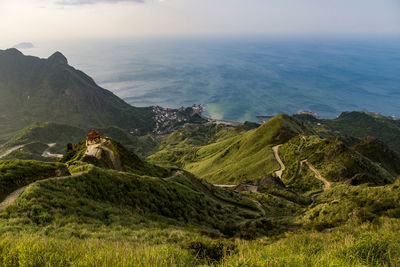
(213, 251)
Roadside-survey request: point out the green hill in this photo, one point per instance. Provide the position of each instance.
(379, 152)
(245, 156)
(359, 125)
(124, 201)
(333, 159)
(112, 155)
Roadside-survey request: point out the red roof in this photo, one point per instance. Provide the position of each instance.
(94, 134)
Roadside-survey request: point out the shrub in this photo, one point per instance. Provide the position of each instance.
(213, 251)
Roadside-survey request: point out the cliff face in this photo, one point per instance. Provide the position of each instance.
(41, 90)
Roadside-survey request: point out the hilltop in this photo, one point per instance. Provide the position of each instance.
(244, 156)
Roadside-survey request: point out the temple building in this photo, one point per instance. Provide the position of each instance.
(94, 137)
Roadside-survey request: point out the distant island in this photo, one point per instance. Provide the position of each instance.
(24, 45)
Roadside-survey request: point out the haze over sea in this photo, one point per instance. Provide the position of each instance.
(239, 78)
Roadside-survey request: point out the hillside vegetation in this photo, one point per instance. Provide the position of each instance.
(119, 209)
(17, 173)
(334, 160)
(245, 156)
(112, 155)
(359, 125)
(105, 198)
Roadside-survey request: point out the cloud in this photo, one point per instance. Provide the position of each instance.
(91, 2)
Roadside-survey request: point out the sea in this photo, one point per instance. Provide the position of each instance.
(239, 78)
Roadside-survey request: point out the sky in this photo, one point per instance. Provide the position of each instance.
(33, 20)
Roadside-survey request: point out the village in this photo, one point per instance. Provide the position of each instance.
(166, 119)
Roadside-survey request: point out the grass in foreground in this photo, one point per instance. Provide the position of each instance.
(352, 245)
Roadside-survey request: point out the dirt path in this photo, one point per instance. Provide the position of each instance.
(15, 195)
(225, 185)
(12, 197)
(276, 153)
(221, 200)
(47, 153)
(11, 150)
(326, 185)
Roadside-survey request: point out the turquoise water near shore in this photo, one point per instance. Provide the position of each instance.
(239, 78)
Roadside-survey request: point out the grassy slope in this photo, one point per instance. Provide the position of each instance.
(17, 173)
(343, 204)
(334, 160)
(128, 160)
(379, 152)
(143, 220)
(245, 156)
(105, 198)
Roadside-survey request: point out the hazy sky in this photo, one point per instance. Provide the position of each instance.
(34, 20)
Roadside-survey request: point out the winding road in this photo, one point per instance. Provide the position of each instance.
(326, 185)
(15, 195)
(276, 153)
(278, 173)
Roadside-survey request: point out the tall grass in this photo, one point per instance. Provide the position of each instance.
(363, 245)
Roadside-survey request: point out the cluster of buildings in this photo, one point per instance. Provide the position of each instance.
(167, 118)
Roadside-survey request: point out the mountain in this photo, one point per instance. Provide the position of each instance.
(50, 90)
(244, 156)
(379, 152)
(357, 124)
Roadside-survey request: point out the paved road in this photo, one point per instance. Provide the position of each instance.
(276, 153)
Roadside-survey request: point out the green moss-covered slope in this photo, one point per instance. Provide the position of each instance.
(245, 156)
(333, 159)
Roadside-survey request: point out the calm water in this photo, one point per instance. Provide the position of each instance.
(237, 79)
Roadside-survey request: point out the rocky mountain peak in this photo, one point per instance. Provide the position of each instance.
(58, 57)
